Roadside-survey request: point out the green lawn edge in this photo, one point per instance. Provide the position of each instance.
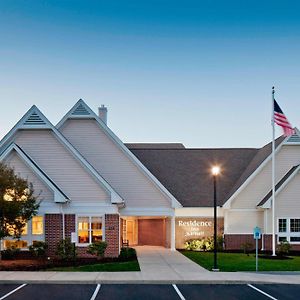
(235, 262)
(127, 266)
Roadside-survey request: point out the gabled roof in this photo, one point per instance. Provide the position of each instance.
(59, 195)
(282, 183)
(82, 111)
(186, 173)
(154, 145)
(46, 124)
(259, 161)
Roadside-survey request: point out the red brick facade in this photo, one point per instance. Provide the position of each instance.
(54, 233)
(235, 242)
(112, 222)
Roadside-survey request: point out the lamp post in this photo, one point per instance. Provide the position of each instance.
(215, 172)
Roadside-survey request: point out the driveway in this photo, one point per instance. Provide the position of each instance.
(158, 263)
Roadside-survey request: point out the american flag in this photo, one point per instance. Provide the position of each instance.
(281, 120)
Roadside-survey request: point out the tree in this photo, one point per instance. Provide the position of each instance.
(17, 203)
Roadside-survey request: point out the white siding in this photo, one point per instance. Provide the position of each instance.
(239, 222)
(288, 200)
(59, 164)
(113, 164)
(255, 191)
(40, 189)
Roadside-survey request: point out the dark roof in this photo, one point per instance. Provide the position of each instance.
(155, 146)
(186, 172)
(278, 185)
(34, 163)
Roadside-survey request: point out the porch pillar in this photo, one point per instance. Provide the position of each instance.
(173, 233)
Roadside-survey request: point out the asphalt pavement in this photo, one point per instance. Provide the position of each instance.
(149, 291)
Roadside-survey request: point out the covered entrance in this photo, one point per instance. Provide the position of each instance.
(153, 231)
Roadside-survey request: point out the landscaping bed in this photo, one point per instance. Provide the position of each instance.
(127, 261)
(232, 262)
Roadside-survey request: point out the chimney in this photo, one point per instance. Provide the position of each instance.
(102, 112)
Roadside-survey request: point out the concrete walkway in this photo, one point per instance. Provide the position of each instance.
(158, 265)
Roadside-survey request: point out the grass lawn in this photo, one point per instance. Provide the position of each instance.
(104, 267)
(231, 262)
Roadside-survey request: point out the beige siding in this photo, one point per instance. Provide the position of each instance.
(256, 190)
(243, 221)
(288, 200)
(113, 164)
(59, 164)
(24, 171)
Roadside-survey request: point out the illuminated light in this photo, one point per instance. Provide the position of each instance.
(215, 170)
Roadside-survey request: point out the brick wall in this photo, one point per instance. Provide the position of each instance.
(53, 232)
(235, 241)
(69, 225)
(112, 235)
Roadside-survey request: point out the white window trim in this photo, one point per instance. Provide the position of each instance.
(30, 237)
(102, 216)
(288, 234)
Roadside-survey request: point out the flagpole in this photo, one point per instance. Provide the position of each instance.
(273, 177)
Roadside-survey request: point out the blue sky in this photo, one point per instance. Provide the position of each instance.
(196, 72)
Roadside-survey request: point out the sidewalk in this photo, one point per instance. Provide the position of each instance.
(158, 266)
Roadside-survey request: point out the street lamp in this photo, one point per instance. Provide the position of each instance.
(215, 172)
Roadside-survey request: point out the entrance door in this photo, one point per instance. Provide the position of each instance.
(152, 232)
(130, 231)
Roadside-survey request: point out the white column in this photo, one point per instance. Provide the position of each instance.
(173, 233)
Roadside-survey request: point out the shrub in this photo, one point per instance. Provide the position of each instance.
(205, 244)
(284, 248)
(66, 250)
(38, 248)
(97, 248)
(247, 247)
(127, 254)
(10, 253)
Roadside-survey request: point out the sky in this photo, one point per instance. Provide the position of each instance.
(193, 72)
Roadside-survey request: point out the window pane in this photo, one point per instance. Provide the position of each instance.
(282, 239)
(295, 238)
(37, 225)
(295, 225)
(25, 229)
(16, 244)
(282, 225)
(96, 229)
(83, 230)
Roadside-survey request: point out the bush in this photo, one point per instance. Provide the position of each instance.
(247, 247)
(127, 254)
(97, 248)
(284, 248)
(66, 250)
(10, 253)
(204, 244)
(38, 248)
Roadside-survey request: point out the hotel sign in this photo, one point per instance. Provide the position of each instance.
(189, 228)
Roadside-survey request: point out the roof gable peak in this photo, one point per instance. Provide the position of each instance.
(294, 139)
(34, 119)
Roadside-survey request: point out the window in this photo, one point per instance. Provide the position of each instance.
(289, 230)
(89, 229)
(15, 243)
(295, 225)
(282, 225)
(37, 225)
(96, 229)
